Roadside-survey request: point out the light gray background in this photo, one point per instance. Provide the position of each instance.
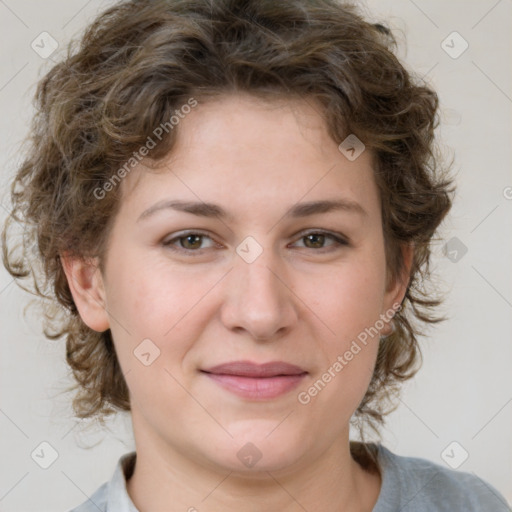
(463, 392)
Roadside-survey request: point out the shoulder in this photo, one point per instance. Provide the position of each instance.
(419, 485)
(96, 503)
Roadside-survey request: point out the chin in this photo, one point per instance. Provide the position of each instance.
(256, 451)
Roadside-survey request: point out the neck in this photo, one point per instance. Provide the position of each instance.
(332, 482)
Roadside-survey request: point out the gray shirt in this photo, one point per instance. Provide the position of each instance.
(409, 484)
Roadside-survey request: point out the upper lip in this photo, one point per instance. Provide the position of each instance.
(250, 369)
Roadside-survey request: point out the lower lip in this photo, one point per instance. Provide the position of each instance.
(263, 388)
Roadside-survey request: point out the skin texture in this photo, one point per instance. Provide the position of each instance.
(301, 301)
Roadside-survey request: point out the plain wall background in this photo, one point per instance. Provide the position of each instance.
(463, 392)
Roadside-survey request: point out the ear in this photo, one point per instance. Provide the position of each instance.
(397, 288)
(86, 285)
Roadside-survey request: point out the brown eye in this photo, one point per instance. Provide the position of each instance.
(191, 241)
(316, 240)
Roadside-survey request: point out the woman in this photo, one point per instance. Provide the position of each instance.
(234, 201)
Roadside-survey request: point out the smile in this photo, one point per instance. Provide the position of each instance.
(256, 381)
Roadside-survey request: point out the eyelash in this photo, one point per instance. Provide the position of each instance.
(338, 239)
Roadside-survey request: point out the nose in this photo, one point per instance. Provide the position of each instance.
(259, 298)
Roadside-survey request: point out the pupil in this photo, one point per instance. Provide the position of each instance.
(188, 237)
(316, 238)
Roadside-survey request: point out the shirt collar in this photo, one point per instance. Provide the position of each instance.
(119, 499)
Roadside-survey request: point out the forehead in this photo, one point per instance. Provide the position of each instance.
(254, 153)
(244, 124)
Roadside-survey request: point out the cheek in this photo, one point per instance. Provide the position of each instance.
(349, 305)
(153, 326)
(349, 298)
(157, 302)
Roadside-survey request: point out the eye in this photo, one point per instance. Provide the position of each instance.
(316, 239)
(187, 242)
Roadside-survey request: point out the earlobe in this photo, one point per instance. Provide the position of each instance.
(87, 287)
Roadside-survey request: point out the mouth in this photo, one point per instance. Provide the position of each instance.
(256, 381)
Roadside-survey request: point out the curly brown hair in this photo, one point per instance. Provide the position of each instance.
(141, 60)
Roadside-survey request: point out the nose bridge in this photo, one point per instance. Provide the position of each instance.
(258, 300)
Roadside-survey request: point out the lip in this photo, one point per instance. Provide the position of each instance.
(256, 381)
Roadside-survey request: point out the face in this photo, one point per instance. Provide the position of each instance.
(239, 326)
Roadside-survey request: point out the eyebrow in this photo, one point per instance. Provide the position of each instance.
(299, 210)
